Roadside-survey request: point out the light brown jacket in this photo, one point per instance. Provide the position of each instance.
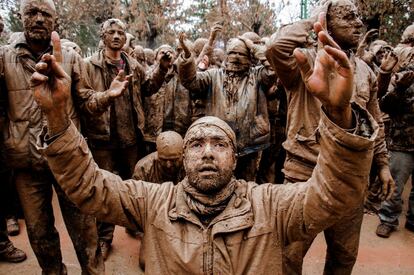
(24, 118)
(248, 237)
(303, 109)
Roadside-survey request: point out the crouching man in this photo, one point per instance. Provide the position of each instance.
(211, 223)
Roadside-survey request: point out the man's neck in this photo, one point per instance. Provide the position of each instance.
(38, 47)
(113, 54)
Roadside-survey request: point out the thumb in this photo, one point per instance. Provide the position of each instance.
(303, 64)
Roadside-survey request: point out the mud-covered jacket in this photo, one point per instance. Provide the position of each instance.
(97, 118)
(149, 169)
(303, 116)
(168, 109)
(399, 104)
(246, 114)
(249, 236)
(24, 119)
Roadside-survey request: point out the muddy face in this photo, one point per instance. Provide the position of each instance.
(114, 37)
(209, 159)
(345, 25)
(238, 56)
(38, 19)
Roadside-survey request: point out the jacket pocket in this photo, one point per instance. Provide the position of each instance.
(16, 143)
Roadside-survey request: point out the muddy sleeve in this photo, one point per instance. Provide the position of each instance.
(95, 191)
(195, 82)
(152, 80)
(396, 102)
(380, 152)
(89, 101)
(336, 186)
(280, 49)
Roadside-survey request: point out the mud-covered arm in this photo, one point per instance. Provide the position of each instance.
(89, 101)
(152, 80)
(398, 100)
(195, 82)
(96, 191)
(337, 184)
(281, 46)
(380, 150)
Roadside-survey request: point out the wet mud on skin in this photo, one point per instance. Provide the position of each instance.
(376, 256)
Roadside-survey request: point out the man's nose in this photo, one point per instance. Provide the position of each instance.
(40, 17)
(208, 152)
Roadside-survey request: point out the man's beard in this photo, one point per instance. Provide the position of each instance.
(210, 185)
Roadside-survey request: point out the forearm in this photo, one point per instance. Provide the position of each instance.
(153, 80)
(340, 177)
(94, 191)
(281, 46)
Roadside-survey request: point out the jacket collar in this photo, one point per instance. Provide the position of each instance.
(22, 47)
(236, 216)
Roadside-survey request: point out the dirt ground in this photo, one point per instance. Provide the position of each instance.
(376, 255)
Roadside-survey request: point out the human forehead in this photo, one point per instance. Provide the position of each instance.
(343, 10)
(44, 6)
(115, 27)
(208, 133)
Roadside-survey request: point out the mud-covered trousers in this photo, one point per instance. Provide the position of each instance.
(35, 192)
(342, 240)
(119, 161)
(401, 166)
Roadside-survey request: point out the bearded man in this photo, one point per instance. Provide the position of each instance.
(302, 145)
(24, 122)
(212, 223)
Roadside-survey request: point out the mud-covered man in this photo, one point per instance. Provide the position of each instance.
(115, 127)
(24, 122)
(210, 222)
(302, 145)
(236, 95)
(169, 109)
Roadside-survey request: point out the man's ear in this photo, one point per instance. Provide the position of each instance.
(235, 161)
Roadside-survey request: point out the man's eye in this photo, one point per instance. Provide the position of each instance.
(196, 145)
(221, 145)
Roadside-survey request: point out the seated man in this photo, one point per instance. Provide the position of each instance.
(210, 222)
(166, 164)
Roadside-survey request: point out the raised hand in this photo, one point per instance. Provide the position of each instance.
(404, 80)
(249, 44)
(181, 38)
(119, 84)
(388, 62)
(368, 37)
(215, 30)
(331, 78)
(51, 87)
(167, 60)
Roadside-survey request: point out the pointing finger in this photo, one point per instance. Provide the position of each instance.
(57, 48)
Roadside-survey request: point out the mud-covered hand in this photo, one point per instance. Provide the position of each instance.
(388, 62)
(215, 30)
(404, 80)
(51, 87)
(167, 60)
(181, 38)
(366, 40)
(387, 183)
(331, 78)
(249, 44)
(119, 84)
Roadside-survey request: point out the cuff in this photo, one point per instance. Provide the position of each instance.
(351, 138)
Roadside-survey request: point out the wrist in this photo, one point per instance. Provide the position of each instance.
(341, 116)
(57, 122)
